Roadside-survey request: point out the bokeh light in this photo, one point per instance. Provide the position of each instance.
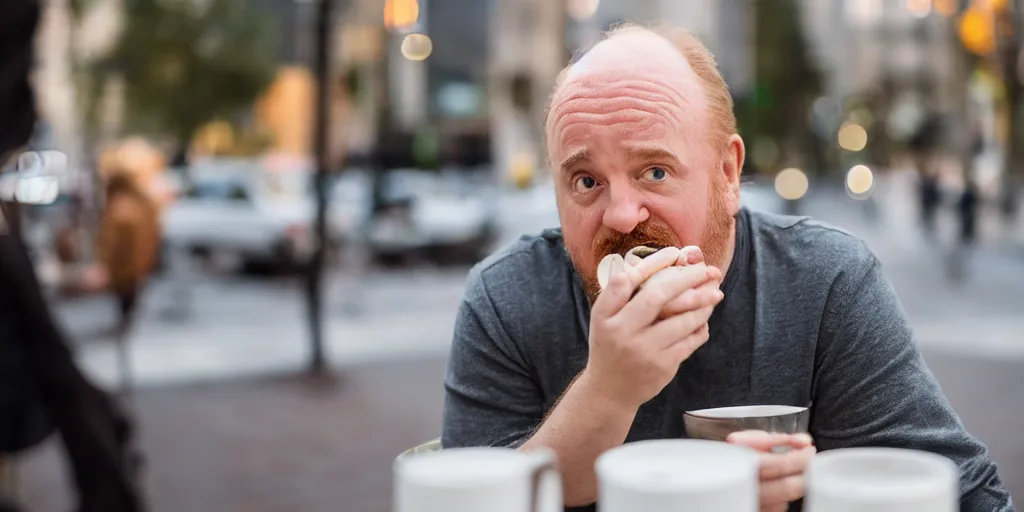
(417, 47)
(919, 8)
(400, 14)
(853, 137)
(791, 184)
(581, 10)
(859, 181)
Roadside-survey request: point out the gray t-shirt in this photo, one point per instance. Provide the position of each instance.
(808, 318)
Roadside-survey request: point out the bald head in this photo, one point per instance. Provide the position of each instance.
(659, 57)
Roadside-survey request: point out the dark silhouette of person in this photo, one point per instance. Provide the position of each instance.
(967, 209)
(42, 391)
(924, 144)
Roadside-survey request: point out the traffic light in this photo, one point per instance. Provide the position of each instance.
(977, 30)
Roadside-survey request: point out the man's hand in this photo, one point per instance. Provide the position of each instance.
(635, 350)
(693, 298)
(782, 474)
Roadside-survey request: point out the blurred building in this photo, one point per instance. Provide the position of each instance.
(871, 44)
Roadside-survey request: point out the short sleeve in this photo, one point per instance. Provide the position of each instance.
(491, 395)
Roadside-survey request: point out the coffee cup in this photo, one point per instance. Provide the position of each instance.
(716, 424)
(475, 479)
(678, 474)
(881, 480)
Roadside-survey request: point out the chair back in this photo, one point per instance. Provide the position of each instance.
(429, 446)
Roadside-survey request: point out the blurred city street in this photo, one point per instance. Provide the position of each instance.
(218, 387)
(241, 326)
(285, 179)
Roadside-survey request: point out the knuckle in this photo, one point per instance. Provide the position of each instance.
(612, 328)
(655, 296)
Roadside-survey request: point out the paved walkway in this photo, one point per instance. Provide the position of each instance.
(270, 445)
(283, 444)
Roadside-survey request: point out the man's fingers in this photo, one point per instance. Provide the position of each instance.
(671, 330)
(707, 294)
(775, 508)
(765, 441)
(683, 349)
(647, 267)
(670, 283)
(616, 294)
(780, 465)
(782, 491)
(690, 255)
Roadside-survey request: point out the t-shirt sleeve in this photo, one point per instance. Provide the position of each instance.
(491, 397)
(873, 388)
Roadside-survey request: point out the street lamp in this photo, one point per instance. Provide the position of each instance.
(315, 271)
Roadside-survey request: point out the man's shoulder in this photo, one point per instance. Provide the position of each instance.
(806, 244)
(527, 260)
(525, 285)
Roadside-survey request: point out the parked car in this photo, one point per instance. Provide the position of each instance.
(442, 216)
(241, 210)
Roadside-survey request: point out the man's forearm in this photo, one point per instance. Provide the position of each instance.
(581, 427)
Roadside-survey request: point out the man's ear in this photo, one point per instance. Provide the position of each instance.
(732, 166)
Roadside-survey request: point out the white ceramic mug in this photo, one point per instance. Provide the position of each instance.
(881, 480)
(678, 474)
(477, 479)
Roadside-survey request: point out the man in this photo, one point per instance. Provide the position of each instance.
(768, 310)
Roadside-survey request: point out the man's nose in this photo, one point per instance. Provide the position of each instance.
(625, 211)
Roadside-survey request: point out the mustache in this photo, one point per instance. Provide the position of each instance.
(651, 235)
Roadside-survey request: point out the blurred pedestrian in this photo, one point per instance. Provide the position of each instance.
(967, 208)
(128, 249)
(41, 388)
(924, 145)
(967, 213)
(930, 198)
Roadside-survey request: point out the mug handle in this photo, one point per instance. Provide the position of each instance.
(541, 461)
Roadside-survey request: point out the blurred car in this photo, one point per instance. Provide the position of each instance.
(443, 216)
(241, 210)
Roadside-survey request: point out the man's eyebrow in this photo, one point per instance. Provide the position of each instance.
(650, 154)
(573, 159)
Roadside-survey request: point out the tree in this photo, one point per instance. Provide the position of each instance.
(185, 63)
(787, 81)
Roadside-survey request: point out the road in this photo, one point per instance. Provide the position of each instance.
(220, 438)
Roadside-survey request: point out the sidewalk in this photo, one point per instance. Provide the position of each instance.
(247, 329)
(271, 445)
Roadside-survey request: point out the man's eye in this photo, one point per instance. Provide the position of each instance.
(585, 183)
(656, 174)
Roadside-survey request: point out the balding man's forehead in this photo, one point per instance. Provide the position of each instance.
(627, 48)
(636, 53)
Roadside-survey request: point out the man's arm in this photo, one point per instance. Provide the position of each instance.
(492, 399)
(873, 388)
(492, 396)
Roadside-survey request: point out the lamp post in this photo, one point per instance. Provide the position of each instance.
(315, 270)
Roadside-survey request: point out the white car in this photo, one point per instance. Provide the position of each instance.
(241, 210)
(440, 215)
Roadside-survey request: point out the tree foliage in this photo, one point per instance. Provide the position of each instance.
(787, 80)
(187, 62)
